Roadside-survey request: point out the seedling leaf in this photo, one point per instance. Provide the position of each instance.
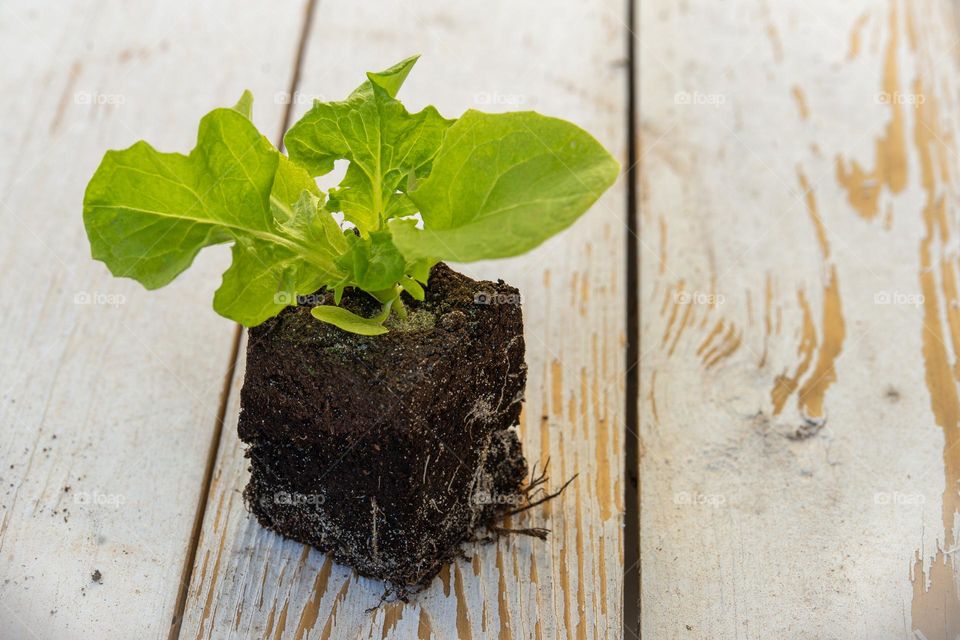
(349, 321)
(503, 183)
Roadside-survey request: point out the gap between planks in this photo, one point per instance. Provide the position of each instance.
(187, 572)
(631, 439)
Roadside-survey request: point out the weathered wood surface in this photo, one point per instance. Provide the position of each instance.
(800, 327)
(250, 583)
(108, 394)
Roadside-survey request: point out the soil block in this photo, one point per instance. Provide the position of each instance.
(388, 451)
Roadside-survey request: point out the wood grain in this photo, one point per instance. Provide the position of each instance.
(108, 394)
(496, 56)
(800, 332)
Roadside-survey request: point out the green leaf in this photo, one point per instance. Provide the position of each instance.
(244, 105)
(412, 287)
(419, 270)
(390, 80)
(312, 223)
(400, 206)
(348, 321)
(372, 263)
(148, 214)
(384, 143)
(503, 183)
(262, 280)
(266, 277)
(485, 186)
(289, 182)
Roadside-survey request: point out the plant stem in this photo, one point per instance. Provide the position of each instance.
(399, 307)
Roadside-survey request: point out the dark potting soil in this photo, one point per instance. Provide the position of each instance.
(388, 451)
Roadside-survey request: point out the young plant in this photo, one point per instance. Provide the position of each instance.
(418, 189)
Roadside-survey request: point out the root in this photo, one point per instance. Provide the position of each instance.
(535, 488)
(536, 482)
(534, 532)
(399, 593)
(532, 495)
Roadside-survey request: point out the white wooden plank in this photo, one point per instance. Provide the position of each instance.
(800, 334)
(499, 56)
(108, 408)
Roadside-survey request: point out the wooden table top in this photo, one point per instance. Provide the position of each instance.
(747, 349)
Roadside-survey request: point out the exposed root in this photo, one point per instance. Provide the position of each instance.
(534, 485)
(399, 593)
(536, 482)
(532, 495)
(534, 532)
(384, 597)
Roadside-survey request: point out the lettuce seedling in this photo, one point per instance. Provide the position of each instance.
(419, 188)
